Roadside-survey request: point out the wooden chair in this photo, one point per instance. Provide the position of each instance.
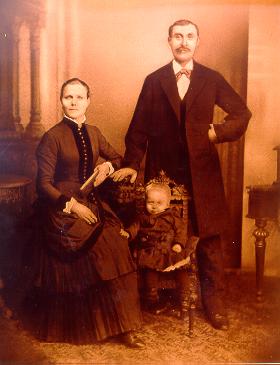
(129, 199)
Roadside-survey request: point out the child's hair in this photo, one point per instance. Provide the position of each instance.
(159, 186)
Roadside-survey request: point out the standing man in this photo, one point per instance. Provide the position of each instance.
(173, 123)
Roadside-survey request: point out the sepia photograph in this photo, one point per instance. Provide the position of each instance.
(139, 182)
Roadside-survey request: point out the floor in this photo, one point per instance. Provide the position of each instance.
(253, 337)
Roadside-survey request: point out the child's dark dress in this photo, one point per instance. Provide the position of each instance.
(156, 235)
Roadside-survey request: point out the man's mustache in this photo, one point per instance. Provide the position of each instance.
(183, 49)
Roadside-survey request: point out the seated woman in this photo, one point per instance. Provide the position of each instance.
(85, 287)
(161, 243)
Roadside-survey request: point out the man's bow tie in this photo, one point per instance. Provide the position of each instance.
(183, 72)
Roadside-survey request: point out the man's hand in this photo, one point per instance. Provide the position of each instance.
(212, 134)
(103, 172)
(123, 173)
(84, 212)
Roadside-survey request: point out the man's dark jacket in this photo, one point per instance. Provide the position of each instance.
(155, 128)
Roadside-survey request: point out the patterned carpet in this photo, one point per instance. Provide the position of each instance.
(254, 336)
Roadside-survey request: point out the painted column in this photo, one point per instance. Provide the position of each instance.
(15, 85)
(6, 68)
(35, 128)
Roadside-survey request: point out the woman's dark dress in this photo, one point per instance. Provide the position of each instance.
(85, 285)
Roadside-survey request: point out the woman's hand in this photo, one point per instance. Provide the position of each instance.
(123, 173)
(84, 213)
(103, 172)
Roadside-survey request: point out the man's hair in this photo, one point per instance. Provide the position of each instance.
(74, 80)
(159, 187)
(182, 22)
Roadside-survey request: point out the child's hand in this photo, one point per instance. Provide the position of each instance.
(177, 248)
(124, 233)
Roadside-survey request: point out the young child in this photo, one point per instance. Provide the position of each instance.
(161, 242)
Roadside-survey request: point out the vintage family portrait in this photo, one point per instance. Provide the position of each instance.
(139, 182)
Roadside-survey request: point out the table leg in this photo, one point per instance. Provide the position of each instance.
(260, 234)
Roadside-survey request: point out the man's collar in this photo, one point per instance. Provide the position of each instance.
(177, 67)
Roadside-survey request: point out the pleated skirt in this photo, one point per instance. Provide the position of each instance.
(69, 302)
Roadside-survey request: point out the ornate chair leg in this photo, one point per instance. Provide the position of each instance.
(187, 310)
(192, 309)
(192, 303)
(185, 306)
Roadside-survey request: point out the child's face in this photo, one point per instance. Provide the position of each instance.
(156, 201)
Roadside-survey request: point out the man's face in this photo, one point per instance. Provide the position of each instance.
(156, 201)
(75, 101)
(183, 42)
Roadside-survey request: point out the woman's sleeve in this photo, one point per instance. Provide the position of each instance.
(107, 152)
(46, 154)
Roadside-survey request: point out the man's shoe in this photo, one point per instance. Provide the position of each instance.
(219, 321)
(216, 312)
(130, 340)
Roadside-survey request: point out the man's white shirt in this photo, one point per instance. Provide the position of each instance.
(184, 82)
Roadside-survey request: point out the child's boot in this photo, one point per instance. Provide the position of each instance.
(153, 303)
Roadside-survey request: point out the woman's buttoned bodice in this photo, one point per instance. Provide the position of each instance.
(67, 156)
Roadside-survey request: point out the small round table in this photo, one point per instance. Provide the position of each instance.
(13, 208)
(13, 193)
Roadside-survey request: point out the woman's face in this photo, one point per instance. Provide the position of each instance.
(75, 101)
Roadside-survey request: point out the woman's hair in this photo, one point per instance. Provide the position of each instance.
(74, 80)
(159, 187)
(182, 22)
